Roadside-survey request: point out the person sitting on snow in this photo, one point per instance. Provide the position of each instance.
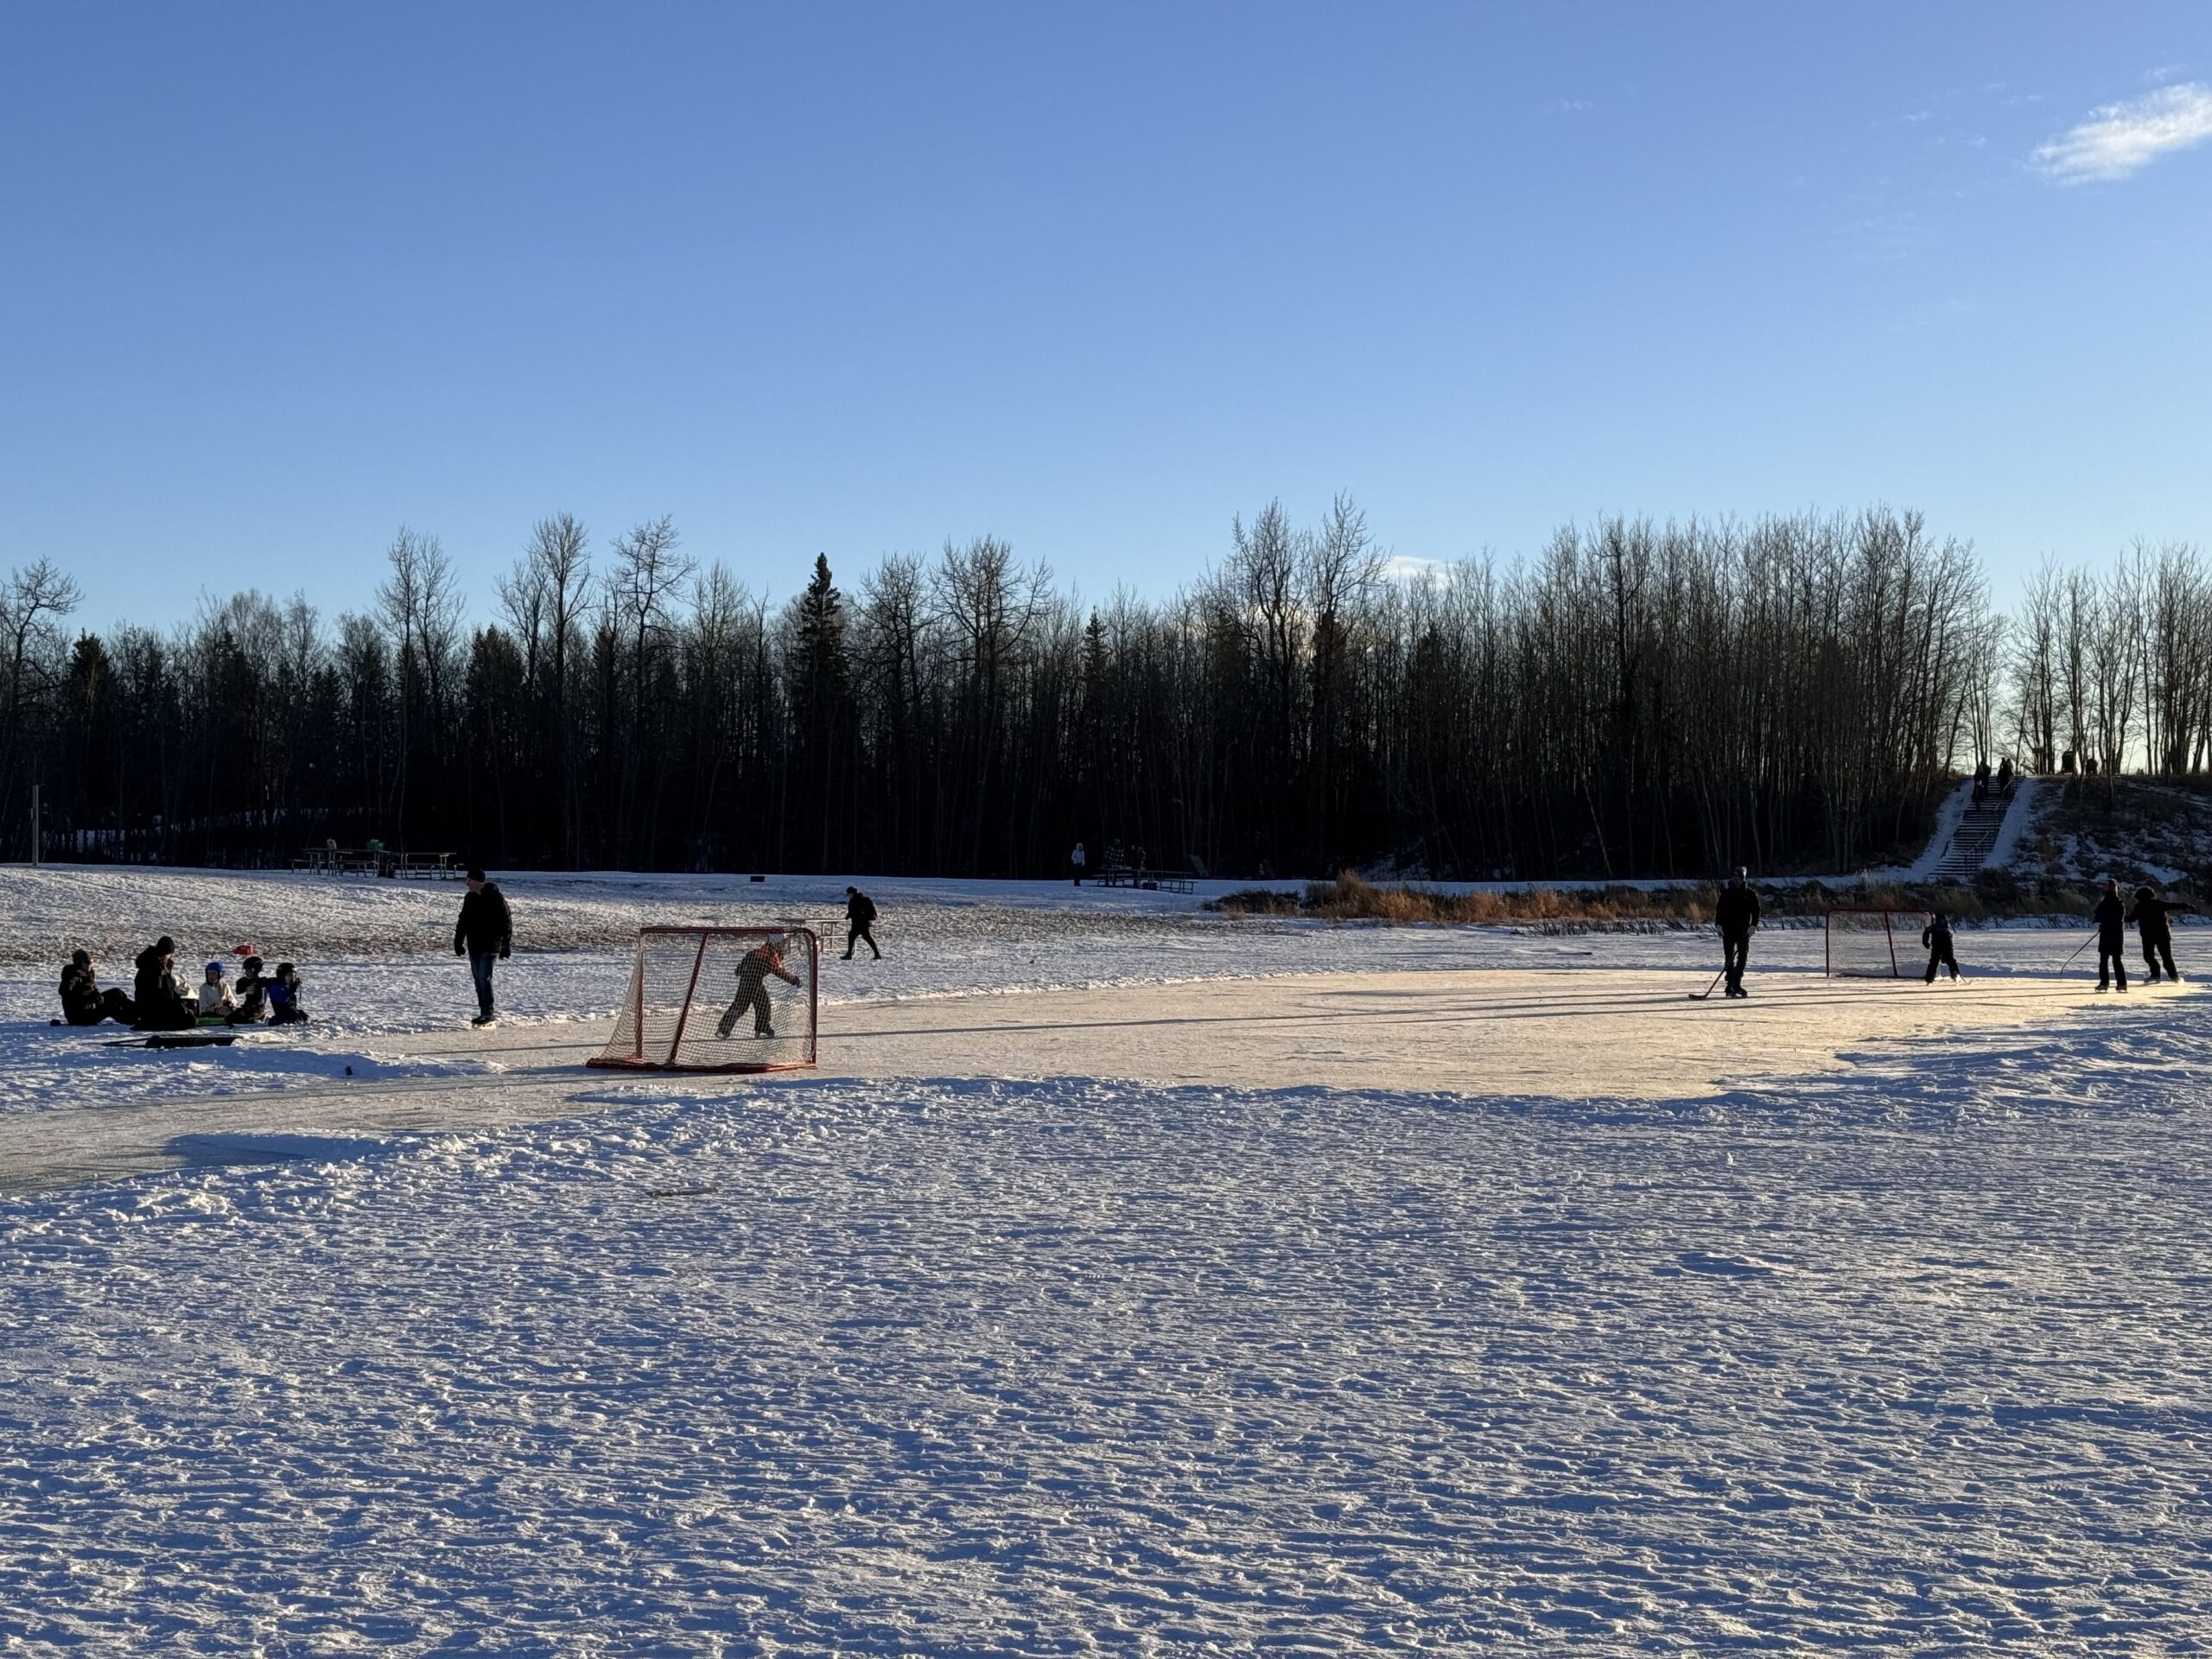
(284, 997)
(252, 993)
(83, 1001)
(162, 1004)
(762, 960)
(216, 1003)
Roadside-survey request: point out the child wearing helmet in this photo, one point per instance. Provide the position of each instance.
(216, 1002)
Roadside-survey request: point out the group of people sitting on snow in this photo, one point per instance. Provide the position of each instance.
(164, 1002)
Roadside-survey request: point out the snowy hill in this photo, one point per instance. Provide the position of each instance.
(2083, 830)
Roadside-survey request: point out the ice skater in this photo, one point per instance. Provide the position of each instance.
(762, 960)
(2111, 917)
(1737, 912)
(484, 934)
(1937, 939)
(2155, 933)
(860, 918)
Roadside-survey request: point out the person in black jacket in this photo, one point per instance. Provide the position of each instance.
(2155, 932)
(484, 934)
(1737, 912)
(1936, 936)
(83, 1001)
(860, 918)
(162, 1002)
(2112, 936)
(752, 970)
(252, 993)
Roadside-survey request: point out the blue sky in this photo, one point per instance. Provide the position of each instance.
(854, 279)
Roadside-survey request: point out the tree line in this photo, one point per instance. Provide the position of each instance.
(1634, 698)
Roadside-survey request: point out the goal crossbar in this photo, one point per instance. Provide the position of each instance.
(682, 975)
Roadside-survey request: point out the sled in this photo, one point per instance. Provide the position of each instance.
(178, 1039)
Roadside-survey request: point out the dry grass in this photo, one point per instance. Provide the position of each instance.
(1351, 898)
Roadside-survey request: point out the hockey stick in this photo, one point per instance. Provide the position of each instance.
(1700, 996)
(2078, 949)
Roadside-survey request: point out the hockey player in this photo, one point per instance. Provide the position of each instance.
(1936, 936)
(860, 917)
(484, 934)
(1737, 912)
(2155, 932)
(2111, 916)
(762, 960)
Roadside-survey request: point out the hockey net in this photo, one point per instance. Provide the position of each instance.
(719, 999)
(1876, 944)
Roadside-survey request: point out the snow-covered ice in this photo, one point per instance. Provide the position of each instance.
(1902, 1357)
(1909, 1362)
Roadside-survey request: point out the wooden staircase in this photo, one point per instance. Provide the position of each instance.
(1976, 834)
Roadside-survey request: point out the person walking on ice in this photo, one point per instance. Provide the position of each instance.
(2155, 932)
(1075, 862)
(860, 918)
(2111, 916)
(1936, 936)
(484, 934)
(1737, 912)
(762, 960)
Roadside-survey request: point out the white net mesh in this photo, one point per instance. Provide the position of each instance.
(1877, 944)
(719, 999)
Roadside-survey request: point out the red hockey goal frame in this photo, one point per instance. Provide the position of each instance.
(638, 1060)
(1900, 967)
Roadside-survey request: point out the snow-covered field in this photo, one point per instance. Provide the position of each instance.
(1905, 1357)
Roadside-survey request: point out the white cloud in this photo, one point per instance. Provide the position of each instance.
(1572, 106)
(1403, 567)
(2120, 138)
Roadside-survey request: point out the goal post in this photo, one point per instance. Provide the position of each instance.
(1868, 944)
(719, 999)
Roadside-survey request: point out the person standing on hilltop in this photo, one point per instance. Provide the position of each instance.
(484, 934)
(1737, 912)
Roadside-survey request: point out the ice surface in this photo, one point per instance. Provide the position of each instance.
(1909, 1361)
(1905, 1356)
